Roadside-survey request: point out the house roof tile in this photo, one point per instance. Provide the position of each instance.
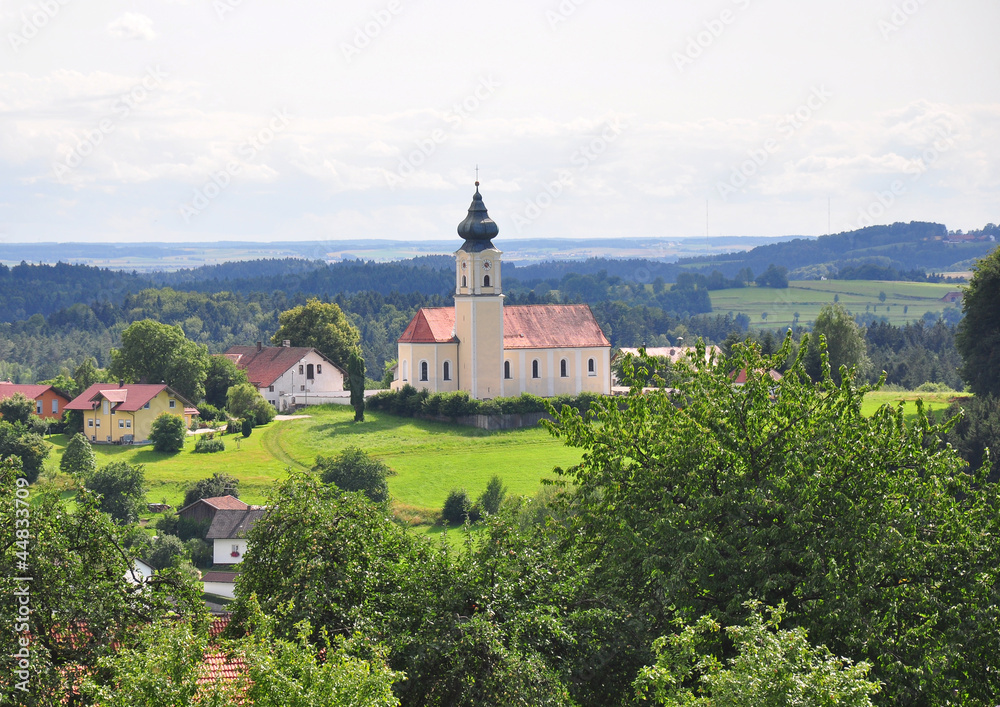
(216, 576)
(30, 391)
(233, 524)
(126, 398)
(530, 326)
(230, 503)
(268, 364)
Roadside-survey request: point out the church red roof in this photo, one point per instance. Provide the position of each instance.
(530, 326)
(431, 325)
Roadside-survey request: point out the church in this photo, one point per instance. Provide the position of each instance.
(489, 350)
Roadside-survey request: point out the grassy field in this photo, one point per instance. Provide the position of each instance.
(905, 301)
(932, 401)
(429, 458)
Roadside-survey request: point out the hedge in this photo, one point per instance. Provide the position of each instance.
(408, 402)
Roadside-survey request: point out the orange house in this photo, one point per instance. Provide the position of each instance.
(49, 402)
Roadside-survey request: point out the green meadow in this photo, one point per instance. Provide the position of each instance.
(429, 458)
(904, 301)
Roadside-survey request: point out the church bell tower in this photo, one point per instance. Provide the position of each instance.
(479, 305)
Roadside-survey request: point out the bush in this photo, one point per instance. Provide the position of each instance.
(200, 552)
(78, 459)
(17, 408)
(246, 427)
(167, 433)
(163, 551)
(212, 487)
(493, 496)
(209, 413)
(932, 387)
(456, 506)
(354, 470)
(234, 427)
(120, 485)
(263, 412)
(207, 444)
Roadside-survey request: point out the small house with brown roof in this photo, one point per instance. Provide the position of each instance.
(204, 509)
(49, 402)
(291, 376)
(490, 350)
(228, 534)
(124, 414)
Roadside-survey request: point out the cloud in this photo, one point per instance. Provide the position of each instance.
(132, 25)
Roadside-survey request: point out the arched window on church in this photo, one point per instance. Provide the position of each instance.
(446, 372)
(564, 368)
(423, 370)
(486, 281)
(534, 369)
(591, 367)
(465, 283)
(506, 370)
(404, 369)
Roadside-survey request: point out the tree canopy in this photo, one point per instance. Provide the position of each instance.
(354, 470)
(978, 337)
(322, 326)
(167, 433)
(17, 408)
(871, 534)
(216, 485)
(155, 352)
(79, 458)
(220, 376)
(121, 488)
(845, 343)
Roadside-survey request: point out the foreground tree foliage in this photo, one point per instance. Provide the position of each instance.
(871, 534)
(82, 605)
(771, 667)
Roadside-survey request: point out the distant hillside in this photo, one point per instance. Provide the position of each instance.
(900, 246)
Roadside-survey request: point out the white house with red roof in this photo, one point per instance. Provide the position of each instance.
(489, 350)
(291, 376)
(122, 413)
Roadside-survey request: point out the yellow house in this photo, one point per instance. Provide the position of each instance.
(119, 414)
(490, 350)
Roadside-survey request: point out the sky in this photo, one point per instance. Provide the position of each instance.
(215, 120)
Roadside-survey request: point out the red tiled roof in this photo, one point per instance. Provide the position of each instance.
(28, 390)
(530, 326)
(431, 325)
(672, 353)
(215, 576)
(127, 398)
(551, 326)
(219, 503)
(267, 365)
(740, 377)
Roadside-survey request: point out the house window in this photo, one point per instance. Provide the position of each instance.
(38, 407)
(486, 281)
(301, 369)
(423, 370)
(173, 404)
(564, 368)
(90, 423)
(302, 389)
(405, 370)
(121, 424)
(128, 424)
(506, 370)
(55, 407)
(146, 406)
(270, 389)
(447, 371)
(319, 369)
(534, 369)
(310, 372)
(97, 422)
(591, 367)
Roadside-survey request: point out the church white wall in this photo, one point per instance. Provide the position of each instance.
(413, 357)
(550, 382)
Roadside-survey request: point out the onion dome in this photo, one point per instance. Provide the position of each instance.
(478, 228)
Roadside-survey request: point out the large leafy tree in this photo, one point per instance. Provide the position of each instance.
(322, 326)
(80, 567)
(154, 352)
(880, 545)
(121, 488)
(221, 375)
(978, 337)
(218, 484)
(845, 343)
